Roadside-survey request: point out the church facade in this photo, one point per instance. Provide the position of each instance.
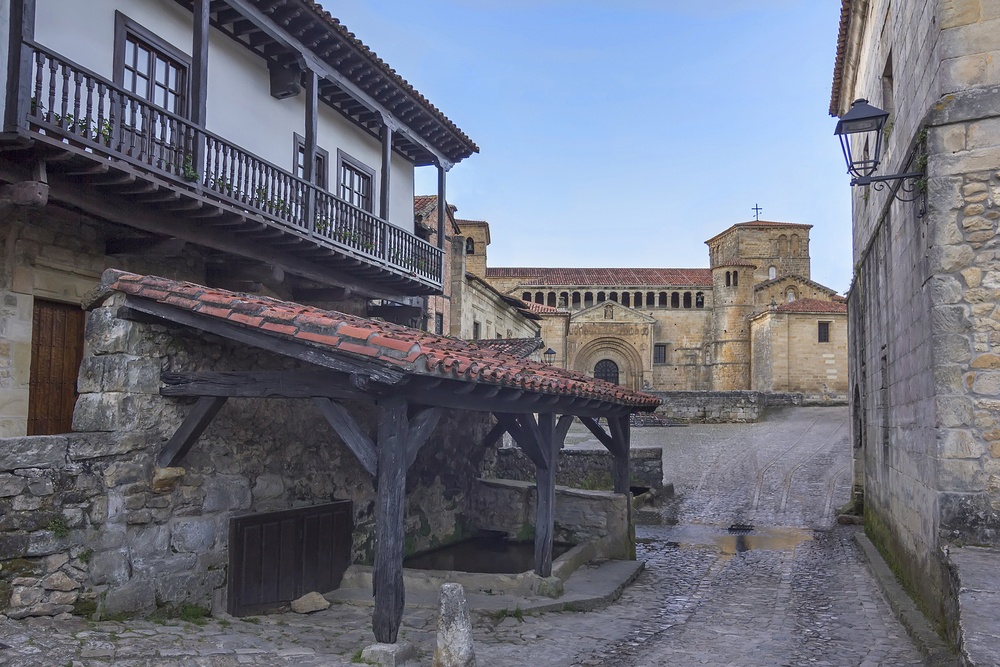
(753, 320)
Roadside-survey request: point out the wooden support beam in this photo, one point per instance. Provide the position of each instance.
(190, 430)
(201, 11)
(545, 486)
(390, 497)
(494, 435)
(259, 384)
(421, 426)
(347, 428)
(621, 435)
(603, 436)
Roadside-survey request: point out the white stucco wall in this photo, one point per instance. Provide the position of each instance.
(239, 108)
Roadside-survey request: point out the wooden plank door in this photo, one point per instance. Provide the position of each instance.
(277, 557)
(56, 352)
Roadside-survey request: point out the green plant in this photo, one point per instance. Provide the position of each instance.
(251, 619)
(501, 614)
(58, 526)
(188, 172)
(192, 613)
(86, 556)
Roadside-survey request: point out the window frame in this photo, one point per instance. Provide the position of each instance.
(124, 26)
(659, 353)
(823, 331)
(362, 169)
(322, 158)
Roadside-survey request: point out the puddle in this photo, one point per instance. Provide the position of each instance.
(762, 538)
(488, 553)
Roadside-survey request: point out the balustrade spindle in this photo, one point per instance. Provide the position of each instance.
(36, 107)
(102, 136)
(64, 107)
(53, 67)
(78, 123)
(88, 119)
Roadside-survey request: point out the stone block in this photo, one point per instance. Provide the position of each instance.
(309, 603)
(455, 646)
(136, 596)
(106, 334)
(388, 655)
(149, 541)
(11, 485)
(268, 487)
(119, 373)
(59, 581)
(948, 259)
(33, 451)
(226, 493)
(193, 535)
(84, 446)
(110, 567)
(953, 411)
(963, 475)
(987, 382)
(118, 474)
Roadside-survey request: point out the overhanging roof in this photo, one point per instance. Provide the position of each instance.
(378, 358)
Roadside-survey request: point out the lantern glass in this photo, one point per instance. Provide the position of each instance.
(865, 120)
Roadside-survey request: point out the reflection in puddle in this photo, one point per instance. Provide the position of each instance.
(716, 536)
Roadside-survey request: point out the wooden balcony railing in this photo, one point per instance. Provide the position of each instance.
(79, 107)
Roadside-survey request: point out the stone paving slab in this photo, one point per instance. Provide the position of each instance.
(979, 601)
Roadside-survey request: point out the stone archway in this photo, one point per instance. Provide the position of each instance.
(628, 360)
(607, 370)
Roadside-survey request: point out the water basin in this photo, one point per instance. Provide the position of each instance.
(487, 553)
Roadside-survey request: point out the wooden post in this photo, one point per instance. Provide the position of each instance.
(620, 436)
(309, 158)
(545, 485)
(22, 27)
(199, 85)
(390, 497)
(442, 205)
(383, 207)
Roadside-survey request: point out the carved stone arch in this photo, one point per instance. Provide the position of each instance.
(628, 359)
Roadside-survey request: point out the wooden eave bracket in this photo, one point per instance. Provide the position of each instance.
(190, 430)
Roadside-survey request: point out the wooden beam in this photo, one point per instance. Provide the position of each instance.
(201, 10)
(442, 205)
(18, 95)
(621, 436)
(190, 430)
(386, 138)
(289, 348)
(390, 497)
(545, 487)
(347, 428)
(494, 435)
(150, 247)
(421, 426)
(603, 436)
(259, 384)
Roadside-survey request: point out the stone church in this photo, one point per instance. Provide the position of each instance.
(753, 320)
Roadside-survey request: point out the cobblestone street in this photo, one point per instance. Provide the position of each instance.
(794, 591)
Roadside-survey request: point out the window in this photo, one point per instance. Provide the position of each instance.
(824, 332)
(687, 299)
(606, 370)
(319, 169)
(699, 300)
(354, 182)
(736, 279)
(439, 323)
(772, 273)
(150, 67)
(470, 246)
(790, 295)
(476, 330)
(660, 353)
(729, 279)
(675, 300)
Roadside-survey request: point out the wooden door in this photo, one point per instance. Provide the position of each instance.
(277, 557)
(56, 352)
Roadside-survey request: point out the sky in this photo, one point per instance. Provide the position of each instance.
(625, 133)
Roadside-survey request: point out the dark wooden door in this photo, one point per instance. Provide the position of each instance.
(606, 370)
(277, 557)
(56, 352)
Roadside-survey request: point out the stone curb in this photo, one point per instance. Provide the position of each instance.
(938, 653)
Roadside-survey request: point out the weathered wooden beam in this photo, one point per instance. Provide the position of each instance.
(545, 487)
(603, 436)
(325, 359)
(621, 435)
(421, 426)
(190, 430)
(258, 384)
(347, 428)
(494, 435)
(387, 577)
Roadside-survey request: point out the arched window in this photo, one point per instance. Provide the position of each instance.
(588, 299)
(540, 298)
(772, 273)
(729, 279)
(675, 300)
(576, 301)
(526, 296)
(600, 297)
(613, 297)
(564, 299)
(736, 279)
(662, 300)
(606, 370)
(650, 299)
(626, 299)
(552, 299)
(790, 294)
(699, 300)
(470, 246)
(782, 246)
(687, 299)
(795, 245)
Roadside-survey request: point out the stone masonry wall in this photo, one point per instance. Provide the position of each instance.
(87, 522)
(579, 468)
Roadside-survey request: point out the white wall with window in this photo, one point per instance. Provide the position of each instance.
(240, 107)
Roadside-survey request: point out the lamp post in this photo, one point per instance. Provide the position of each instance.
(550, 356)
(867, 123)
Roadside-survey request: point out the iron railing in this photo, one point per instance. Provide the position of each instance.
(80, 107)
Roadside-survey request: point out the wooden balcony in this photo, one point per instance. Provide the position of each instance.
(117, 156)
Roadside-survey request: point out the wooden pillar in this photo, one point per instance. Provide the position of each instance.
(387, 579)
(442, 205)
(199, 82)
(309, 149)
(22, 27)
(383, 209)
(545, 486)
(620, 450)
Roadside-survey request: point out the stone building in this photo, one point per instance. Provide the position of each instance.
(923, 319)
(696, 329)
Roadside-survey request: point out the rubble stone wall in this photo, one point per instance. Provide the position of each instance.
(580, 468)
(87, 523)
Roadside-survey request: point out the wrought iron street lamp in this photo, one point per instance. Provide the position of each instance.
(550, 356)
(867, 123)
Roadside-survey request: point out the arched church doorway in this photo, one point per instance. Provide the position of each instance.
(605, 369)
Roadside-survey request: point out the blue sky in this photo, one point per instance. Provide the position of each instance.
(627, 133)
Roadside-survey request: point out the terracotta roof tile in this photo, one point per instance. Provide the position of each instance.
(611, 277)
(812, 306)
(383, 342)
(518, 347)
(541, 308)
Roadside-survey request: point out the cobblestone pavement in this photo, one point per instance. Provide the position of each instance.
(794, 591)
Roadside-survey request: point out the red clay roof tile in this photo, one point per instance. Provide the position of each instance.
(812, 306)
(611, 277)
(340, 333)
